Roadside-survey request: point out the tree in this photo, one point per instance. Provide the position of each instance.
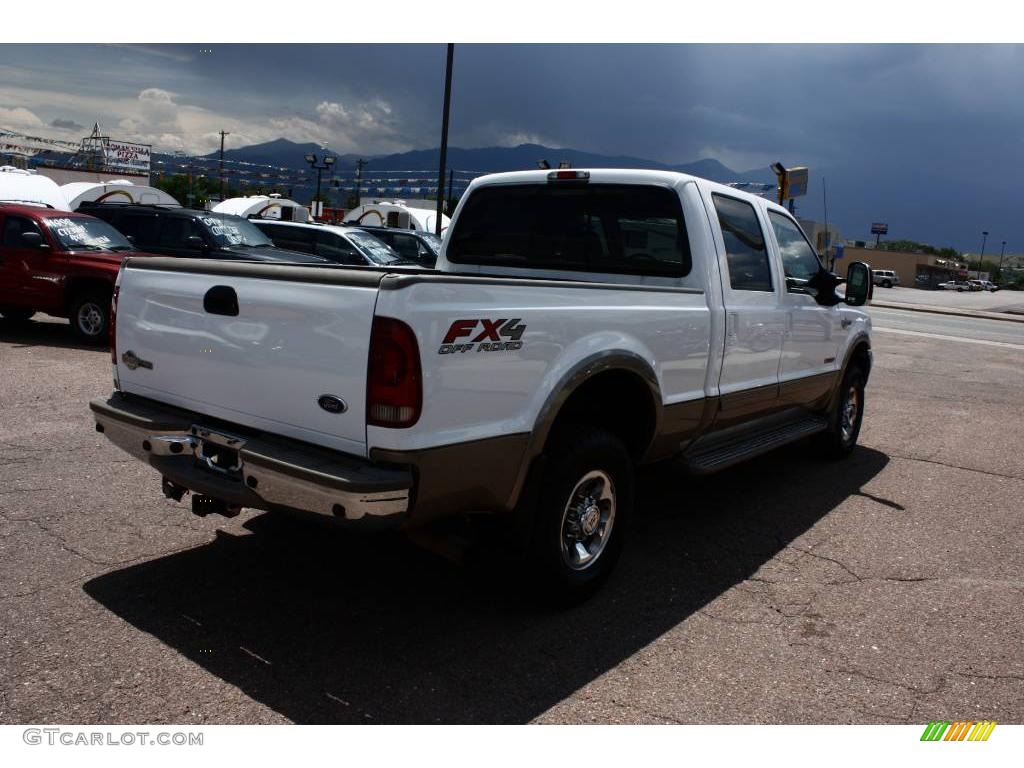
(203, 189)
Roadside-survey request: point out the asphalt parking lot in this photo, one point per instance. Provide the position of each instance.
(885, 589)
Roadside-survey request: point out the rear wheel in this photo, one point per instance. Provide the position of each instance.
(90, 317)
(14, 315)
(839, 440)
(583, 506)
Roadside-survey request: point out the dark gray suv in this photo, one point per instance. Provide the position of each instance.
(193, 233)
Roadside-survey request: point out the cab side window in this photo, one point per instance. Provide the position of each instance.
(745, 250)
(337, 249)
(292, 238)
(175, 231)
(405, 245)
(799, 261)
(140, 227)
(14, 228)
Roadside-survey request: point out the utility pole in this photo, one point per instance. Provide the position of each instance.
(1001, 252)
(359, 178)
(828, 238)
(444, 137)
(451, 181)
(981, 256)
(222, 135)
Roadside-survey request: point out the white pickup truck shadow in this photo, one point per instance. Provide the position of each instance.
(334, 627)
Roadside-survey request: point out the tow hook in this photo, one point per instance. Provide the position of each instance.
(207, 505)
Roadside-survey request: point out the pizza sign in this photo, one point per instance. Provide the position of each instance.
(121, 154)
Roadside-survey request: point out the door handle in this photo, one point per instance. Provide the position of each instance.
(846, 322)
(221, 300)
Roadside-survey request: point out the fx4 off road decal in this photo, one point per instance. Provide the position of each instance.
(483, 336)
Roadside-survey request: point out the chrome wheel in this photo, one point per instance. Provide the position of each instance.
(851, 409)
(587, 520)
(90, 319)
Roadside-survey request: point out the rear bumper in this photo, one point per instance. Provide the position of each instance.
(265, 472)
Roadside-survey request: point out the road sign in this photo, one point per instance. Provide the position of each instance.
(879, 228)
(839, 251)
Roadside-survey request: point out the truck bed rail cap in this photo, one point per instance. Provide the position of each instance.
(369, 277)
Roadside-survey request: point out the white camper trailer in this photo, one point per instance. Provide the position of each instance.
(116, 191)
(264, 207)
(397, 214)
(21, 186)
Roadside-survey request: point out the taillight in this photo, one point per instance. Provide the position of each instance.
(394, 386)
(113, 324)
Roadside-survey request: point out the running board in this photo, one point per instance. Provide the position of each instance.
(720, 456)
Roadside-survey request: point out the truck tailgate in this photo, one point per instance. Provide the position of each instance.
(254, 344)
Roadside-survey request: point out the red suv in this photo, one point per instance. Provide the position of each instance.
(59, 262)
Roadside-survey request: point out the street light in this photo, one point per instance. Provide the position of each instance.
(328, 161)
(984, 237)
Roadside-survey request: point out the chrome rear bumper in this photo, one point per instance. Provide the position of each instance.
(262, 472)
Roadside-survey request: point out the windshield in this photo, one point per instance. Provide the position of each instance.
(432, 241)
(81, 233)
(375, 250)
(234, 231)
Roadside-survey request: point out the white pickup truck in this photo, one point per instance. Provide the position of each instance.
(578, 323)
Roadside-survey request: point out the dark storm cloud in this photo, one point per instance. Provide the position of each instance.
(920, 119)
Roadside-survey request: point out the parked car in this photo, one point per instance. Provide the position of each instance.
(61, 263)
(981, 285)
(988, 285)
(886, 278)
(339, 244)
(184, 232)
(579, 323)
(423, 248)
(954, 285)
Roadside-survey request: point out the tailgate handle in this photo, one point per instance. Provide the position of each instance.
(221, 300)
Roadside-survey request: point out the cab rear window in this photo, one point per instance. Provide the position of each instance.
(607, 228)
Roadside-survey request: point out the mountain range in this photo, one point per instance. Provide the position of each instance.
(289, 154)
(933, 208)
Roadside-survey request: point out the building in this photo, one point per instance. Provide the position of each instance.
(914, 268)
(820, 236)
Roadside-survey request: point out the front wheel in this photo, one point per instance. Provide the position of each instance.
(90, 317)
(887, 284)
(839, 440)
(584, 504)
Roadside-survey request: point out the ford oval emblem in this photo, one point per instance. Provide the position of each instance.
(332, 404)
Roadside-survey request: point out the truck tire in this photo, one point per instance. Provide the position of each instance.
(90, 317)
(14, 315)
(839, 440)
(582, 508)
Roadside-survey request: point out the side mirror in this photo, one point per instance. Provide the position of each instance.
(130, 239)
(32, 240)
(858, 284)
(195, 241)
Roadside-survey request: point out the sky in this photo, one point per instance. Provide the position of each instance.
(933, 115)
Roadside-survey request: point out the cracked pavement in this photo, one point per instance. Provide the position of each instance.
(884, 589)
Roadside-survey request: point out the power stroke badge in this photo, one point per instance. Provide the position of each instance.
(482, 335)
